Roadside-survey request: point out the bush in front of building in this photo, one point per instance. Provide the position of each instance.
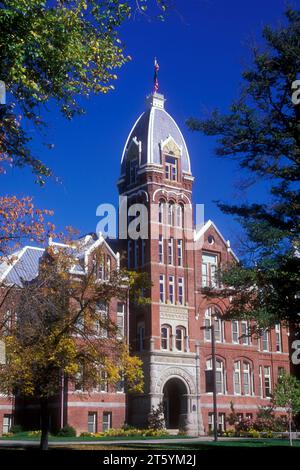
(129, 432)
(67, 431)
(16, 429)
(156, 417)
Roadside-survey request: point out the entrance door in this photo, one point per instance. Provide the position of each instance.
(175, 402)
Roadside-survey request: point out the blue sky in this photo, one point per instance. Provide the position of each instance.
(202, 49)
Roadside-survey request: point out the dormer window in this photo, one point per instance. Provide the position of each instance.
(171, 167)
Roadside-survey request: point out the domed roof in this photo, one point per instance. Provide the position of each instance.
(152, 129)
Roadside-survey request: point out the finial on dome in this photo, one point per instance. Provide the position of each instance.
(156, 69)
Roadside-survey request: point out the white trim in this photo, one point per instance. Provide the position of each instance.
(18, 255)
(198, 234)
(127, 140)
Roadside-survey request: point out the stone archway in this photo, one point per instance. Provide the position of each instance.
(175, 403)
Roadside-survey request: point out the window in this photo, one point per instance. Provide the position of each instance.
(161, 207)
(246, 378)
(180, 335)
(179, 253)
(171, 290)
(171, 167)
(79, 379)
(209, 270)
(92, 421)
(220, 376)
(161, 249)
(265, 340)
(267, 381)
(103, 386)
(121, 319)
(107, 421)
(171, 214)
(281, 372)
(133, 167)
(221, 422)
(218, 324)
(235, 331)
(136, 253)
(210, 422)
(261, 392)
(129, 253)
(101, 274)
(170, 251)
(278, 338)
(120, 385)
(249, 416)
(141, 336)
(237, 378)
(165, 337)
(162, 295)
(179, 215)
(7, 423)
(245, 333)
(181, 290)
(102, 323)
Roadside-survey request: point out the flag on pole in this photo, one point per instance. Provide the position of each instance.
(156, 69)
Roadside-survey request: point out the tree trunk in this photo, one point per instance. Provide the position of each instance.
(44, 424)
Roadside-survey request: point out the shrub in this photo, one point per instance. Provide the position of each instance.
(36, 433)
(16, 429)
(131, 432)
(67, 431)
(156, 417)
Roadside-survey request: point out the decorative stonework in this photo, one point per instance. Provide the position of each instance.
(169, 146)
(175, 372)
(172, 312)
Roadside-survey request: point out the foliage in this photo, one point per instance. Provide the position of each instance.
(131, 432)
(67, 431)
(56, 52)
(261, 133)
(61, 330)
(156, 417)
(16, 429)
(287, 394)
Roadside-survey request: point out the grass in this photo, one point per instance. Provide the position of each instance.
(23, 436)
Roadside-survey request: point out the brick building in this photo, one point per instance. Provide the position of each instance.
(169, 334)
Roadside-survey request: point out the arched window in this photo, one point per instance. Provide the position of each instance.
(247, 389)
(161, 209)
(180, 337)
(220, 374)
(179, 215)
(237, 378)
(212, 314)
(171, 214)
(165, 337)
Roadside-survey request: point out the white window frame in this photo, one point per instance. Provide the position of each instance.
(235, 332)
(247, 373)
(180, 338)
(121, 319)
(245, 339)
(237, 384)
(265, 340)
(107, 422)
(92, 423)
(267, 379)
(171, 251)
(181, 296)
(278, 338)
(161, 249)
(162, 288)
(165, 340)
(180, 253)
(171, 279)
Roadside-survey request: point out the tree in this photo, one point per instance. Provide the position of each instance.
(56, 52)
(60, 329)
(261, 133)
(287, 395)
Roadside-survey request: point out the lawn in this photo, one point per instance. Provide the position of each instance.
(24, 436)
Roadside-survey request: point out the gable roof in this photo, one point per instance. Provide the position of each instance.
(200, 232)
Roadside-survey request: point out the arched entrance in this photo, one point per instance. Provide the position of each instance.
(175, 402)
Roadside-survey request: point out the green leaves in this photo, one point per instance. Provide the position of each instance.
(261, 133)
